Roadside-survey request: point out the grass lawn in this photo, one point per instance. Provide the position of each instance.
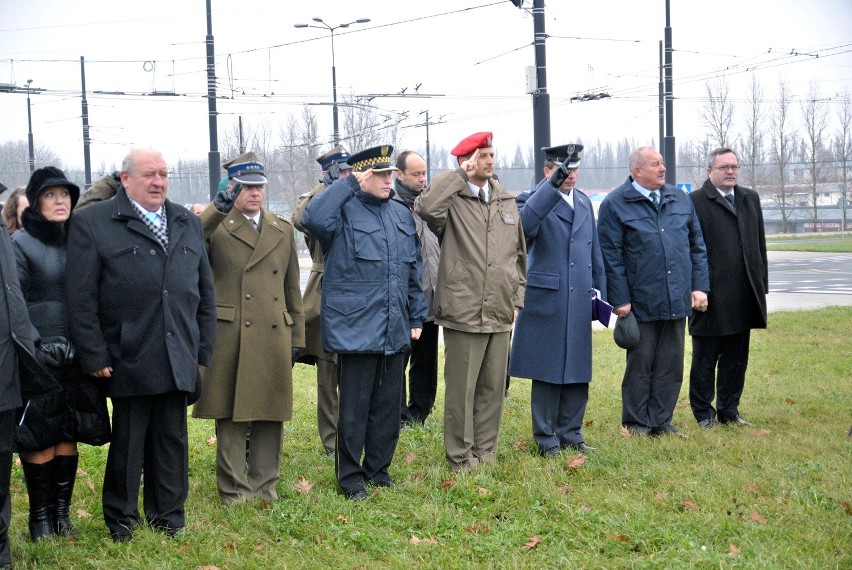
(774, 495)
(832, 243)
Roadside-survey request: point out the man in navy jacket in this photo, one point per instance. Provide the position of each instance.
(656, 267)
(372, 307)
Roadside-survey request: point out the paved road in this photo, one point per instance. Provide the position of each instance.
(797, 280)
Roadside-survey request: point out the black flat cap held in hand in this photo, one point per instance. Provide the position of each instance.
(626, 333)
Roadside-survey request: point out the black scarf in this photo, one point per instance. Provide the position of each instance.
(49, 233)
(406, 194)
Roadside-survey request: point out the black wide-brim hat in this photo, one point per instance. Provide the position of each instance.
(48, 177)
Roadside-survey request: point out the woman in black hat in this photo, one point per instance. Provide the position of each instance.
(40, 252)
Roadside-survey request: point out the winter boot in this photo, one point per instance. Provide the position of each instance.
(64, 476)
(39, 478)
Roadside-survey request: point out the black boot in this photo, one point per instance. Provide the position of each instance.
(39, 478)
(64, 476)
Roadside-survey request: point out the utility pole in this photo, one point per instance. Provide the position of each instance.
(541, 98)
(669, 156)
(213, 158)
(30, 129)
(87, 160)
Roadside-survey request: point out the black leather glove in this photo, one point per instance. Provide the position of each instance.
(332, 174)
(57, 351)
(224, 201)
(559, 176)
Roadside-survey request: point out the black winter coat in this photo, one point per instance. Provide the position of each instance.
(40, 254)
(736, 255)
(148, 313)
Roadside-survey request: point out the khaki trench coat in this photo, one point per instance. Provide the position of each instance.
(259, 318)
(482, 271)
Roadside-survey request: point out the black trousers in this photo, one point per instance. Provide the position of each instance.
(149, 435)
(7, 443)
(422, 376)
(718, 368)
(653, 376)
(368, 421)
(557, 413)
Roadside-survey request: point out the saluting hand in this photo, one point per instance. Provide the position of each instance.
(469, 165)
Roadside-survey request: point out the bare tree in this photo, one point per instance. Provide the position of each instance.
(298, 151)
(843, 148)
(15, 159)
(753, 151)
(365, 126)
(692, 161)
(815, 122)
(782, 145)
(718, 112)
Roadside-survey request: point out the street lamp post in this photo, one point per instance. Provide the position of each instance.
(30, 124)
(326, 26)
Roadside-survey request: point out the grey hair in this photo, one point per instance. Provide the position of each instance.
(635, 158)
(711, 158)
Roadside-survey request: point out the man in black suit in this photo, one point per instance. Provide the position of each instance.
(732, 222)
(143, 317)
(15, 334)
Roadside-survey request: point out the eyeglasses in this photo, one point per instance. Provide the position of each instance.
(726, 167)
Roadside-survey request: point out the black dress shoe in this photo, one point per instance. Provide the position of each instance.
(708, 423)
(581, 447)
(383, 482)
(551, 451)
(736, 420)
(668, 429)
(359, 495)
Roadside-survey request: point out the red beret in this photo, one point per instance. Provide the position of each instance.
(472, 143)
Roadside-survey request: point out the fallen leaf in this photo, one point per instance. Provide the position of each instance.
(689, 504)
(576, 461)
(318, 539)
(521, 445)
(476, 529)
(624, 431)
(91, 485)
(262, 505)
(733, 551)
(448, 483)
(483, 491)
(427, 540)
(585, 508)
(622, 538)
(534, 541)
(847, 506)
(83, 513)
(417, 478)
(212, 441)
(231, 547)
(259, 546)
(762, 432)
(661, 496)
(18, 461)
(303, 486)
(342, 519)
(790, 401)
(753, 487)
(207, 567)
(410, 457)
(589, 423)
(80, 471)
(757, 517)
(183, 548)
(565, 489)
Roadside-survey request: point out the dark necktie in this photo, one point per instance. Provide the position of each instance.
(254, 224)
(655, 200)
(482, 195)
(730, 199)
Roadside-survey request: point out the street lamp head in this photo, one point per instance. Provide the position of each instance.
(362, 21)
(320, 20)
(29, 81)
(301, 26)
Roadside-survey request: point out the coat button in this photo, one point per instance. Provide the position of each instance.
(166, 293)
(248, 295)
(276, 298)
(248, 323)
(275, 272)
(275, 325)
(153, 252)
(168, 335)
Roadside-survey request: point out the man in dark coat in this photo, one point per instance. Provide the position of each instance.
(372, 307)
(15, 330)
(732, 222)
(656, 268)
(553, 336)
(143, 317)
(423, 369)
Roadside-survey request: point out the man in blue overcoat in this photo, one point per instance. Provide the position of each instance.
(553, 334)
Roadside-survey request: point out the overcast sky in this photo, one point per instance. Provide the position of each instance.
(470, 54)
